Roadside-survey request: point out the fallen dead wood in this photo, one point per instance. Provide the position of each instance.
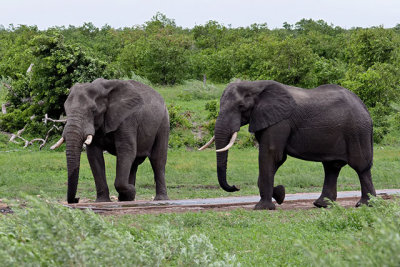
(42, 140)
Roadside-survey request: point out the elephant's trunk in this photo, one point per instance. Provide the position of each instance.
(73, 153)
(222, 137)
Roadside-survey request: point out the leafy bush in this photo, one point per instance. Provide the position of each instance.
(181, 134)
(380, 120)
(212, 108)
(48, 234)
(176, 118)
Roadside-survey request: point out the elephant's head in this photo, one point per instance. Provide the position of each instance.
(94, 108)
(259, 104)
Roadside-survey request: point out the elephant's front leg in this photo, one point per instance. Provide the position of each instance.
(125, 190)
(96, 161)
(126, 149)
(271, 155)
(265, 180)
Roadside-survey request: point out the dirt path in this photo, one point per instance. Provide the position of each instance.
(292, 202)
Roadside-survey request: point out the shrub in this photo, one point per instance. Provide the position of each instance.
(380, 120)
(176, 117)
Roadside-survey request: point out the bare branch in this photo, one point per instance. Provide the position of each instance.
(30, 68)
(46, 118)
(43, 141)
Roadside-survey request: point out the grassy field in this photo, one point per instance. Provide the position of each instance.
(189, 174)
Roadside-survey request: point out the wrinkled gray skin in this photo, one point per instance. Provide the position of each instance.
(328, 124)
(126, 118)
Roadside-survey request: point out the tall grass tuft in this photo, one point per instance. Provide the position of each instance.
(373, 240)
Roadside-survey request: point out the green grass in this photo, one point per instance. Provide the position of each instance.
(47, 234)
(297, 238)
(189, 174)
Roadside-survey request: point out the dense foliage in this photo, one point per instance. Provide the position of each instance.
(306, 54)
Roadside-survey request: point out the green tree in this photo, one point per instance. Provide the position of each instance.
(162, 58)
(15, 53)
(370, 46)
(379, 84)
(57, 66)
(291, 62)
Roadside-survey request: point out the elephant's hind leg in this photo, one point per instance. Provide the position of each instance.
(135, 165)
(329, 189)
(367, 187)
(363, 168)
(158, 160)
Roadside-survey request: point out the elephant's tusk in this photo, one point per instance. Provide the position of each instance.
(58, 144)
(89, 139)
(233, 138)
(208, 143)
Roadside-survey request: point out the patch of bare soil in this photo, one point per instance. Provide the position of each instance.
(146, 207)
(107, 209)
(4, 208)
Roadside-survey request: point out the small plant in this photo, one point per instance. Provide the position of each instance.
(176, 118)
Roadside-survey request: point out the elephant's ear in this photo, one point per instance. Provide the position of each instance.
(272, 105)
(123, 101)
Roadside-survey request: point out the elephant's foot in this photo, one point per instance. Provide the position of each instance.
(264, 205)
(321, 202)
(103, 199)
(73, 201)
(161, 197)
(363, 201)
(127, 195)
(279, 194)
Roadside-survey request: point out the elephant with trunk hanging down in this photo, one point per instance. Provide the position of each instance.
(126, 118)
(328, 124)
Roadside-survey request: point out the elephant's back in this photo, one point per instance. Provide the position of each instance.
(148, 94)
